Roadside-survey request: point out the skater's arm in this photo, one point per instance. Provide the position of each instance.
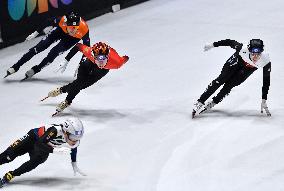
(266, 80)
(228, 42)
(71, 53)
(73, 154)
(86, 39)
(53, 21)
(41, 143)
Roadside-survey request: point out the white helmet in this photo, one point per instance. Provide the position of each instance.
(74, 128)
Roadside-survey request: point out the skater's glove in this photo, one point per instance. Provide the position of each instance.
(76, 169)
(46, 30)
(32, 36)
(76, 71)
(265, 108)
(62, 66)
(62, 150)
(208, 46)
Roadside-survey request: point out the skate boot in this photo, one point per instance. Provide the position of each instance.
(63, 105)
(197, 108)
(6, 179)
(208, 106)
(60, 107)
(55, 92)
(10, 71)
(29, 74)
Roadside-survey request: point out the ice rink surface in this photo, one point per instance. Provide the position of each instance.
(139, 135)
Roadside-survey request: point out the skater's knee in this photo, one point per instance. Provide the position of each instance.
(220, 80)
(35, 50)
(53, 54)
(39, 158)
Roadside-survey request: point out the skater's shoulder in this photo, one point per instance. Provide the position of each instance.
(54, 127)
(265, 57)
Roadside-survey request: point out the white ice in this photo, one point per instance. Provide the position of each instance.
(139, 132)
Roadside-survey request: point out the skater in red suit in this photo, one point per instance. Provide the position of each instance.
(95, 64)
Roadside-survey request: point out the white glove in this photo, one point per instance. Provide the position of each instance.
(264, 106)
(62, 66)
(62, 150)
(32, 36)
(208, 46)
(46, 30)
(76, 169)
(76, 71)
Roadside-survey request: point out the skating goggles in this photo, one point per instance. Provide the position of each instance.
(101, 60)
(255, 53)
(256, 50)
(101, 57)
(73, 138)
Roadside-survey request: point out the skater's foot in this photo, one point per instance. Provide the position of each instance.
(197, 108)
(208, 106)
(6, 179)
(55, 92)
(63, 105)
(10, 71)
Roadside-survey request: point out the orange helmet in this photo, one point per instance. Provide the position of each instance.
(100, 48)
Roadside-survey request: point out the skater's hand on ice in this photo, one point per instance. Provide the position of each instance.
(208, 46)
(76, 169)
(264, 106)
(76, 71)
(32, 36)
(62, 150)
(62, 66)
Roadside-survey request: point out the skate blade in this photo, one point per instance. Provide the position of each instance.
(55, 114)
(203, 110)
(24, 79)
(1, 183)
(7, 75)
(44, 98)
(193, 114)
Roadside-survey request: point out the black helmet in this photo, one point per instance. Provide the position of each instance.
(72, 19)
(255, 46)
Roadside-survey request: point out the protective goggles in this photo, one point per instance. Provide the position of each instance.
(76, 137)
(101, 57)
(256, 50)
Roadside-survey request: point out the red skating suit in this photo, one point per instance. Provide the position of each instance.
(114, 60)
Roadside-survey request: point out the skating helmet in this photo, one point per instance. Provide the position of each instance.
(74, 128)
(100, 48)
(72, 19)
(255, 46)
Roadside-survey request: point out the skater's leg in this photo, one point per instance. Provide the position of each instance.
(18, 148)
(86, 77)
(54, 52)
(41, 46)
(236, 80)
(228, 70)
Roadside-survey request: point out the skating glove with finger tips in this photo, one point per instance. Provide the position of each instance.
(32, 36)
(76, 169)
(62, 150)
(62, 66)
(265, 107)
(208, 46)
